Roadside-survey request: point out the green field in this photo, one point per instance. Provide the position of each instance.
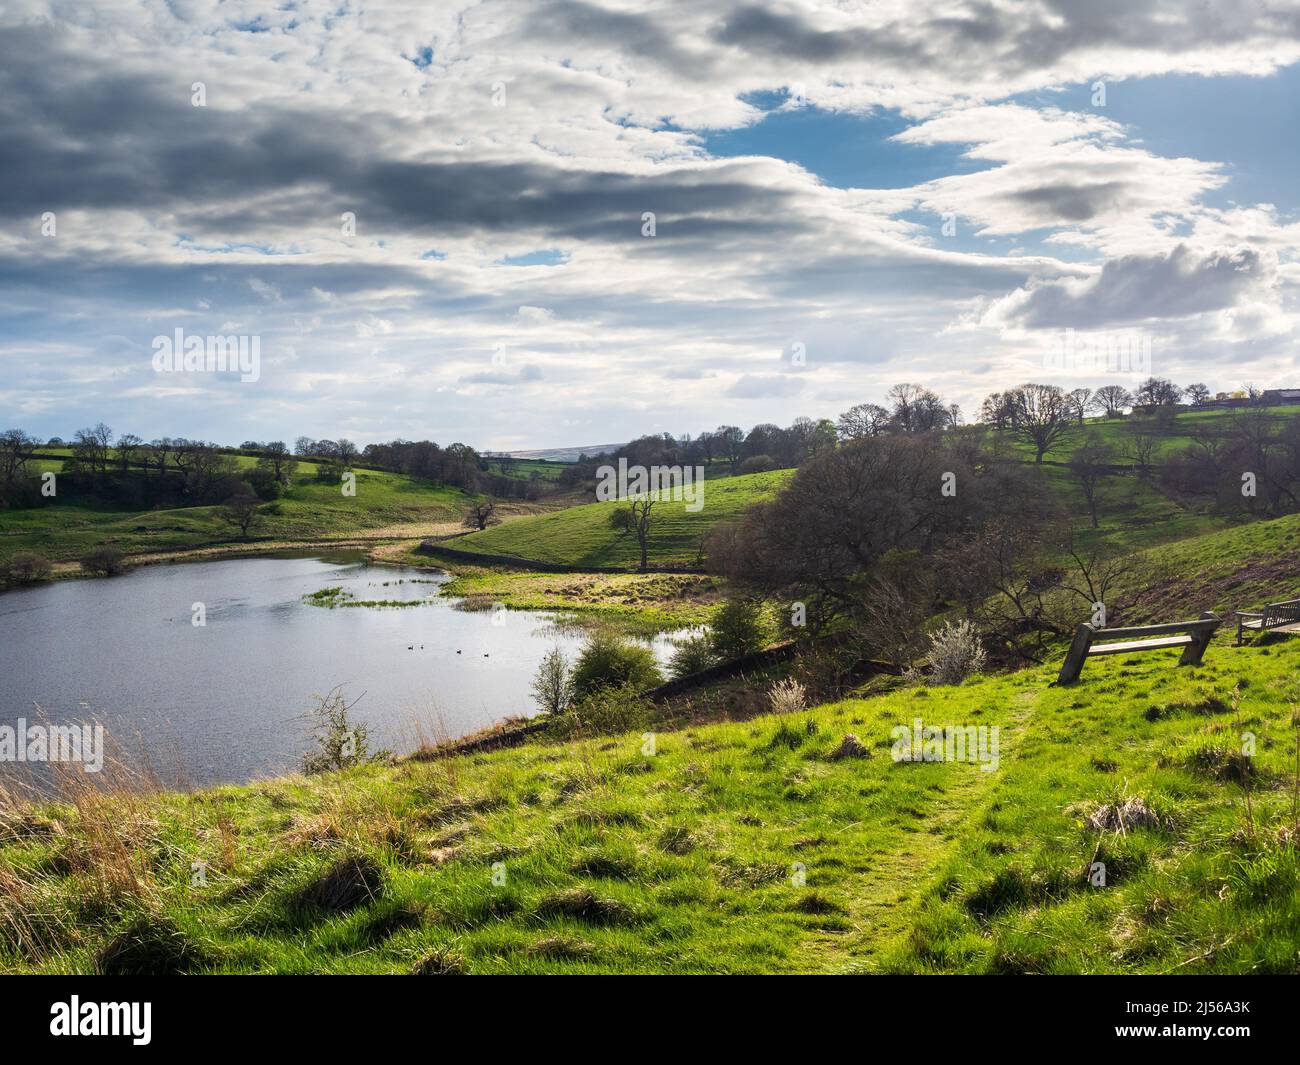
(581, 536)
(1177, 433)
(309, 511)
(739, 847)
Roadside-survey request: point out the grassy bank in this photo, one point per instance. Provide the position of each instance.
(732, 847)
(581, 535)
(385, 506)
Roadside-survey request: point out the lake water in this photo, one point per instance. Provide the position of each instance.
(223, 702)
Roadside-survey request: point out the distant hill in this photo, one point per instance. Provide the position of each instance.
(564, 454)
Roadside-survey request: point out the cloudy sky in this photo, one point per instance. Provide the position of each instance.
(844, 195)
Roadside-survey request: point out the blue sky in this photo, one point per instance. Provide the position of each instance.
(433, 217)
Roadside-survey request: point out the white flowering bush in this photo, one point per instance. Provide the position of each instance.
(955, 653)
(787, 696)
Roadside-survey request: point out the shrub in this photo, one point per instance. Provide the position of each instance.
(787, 696)
(758, 464)
(955, 653)
(105, 561)
(339, 742)
(553, 683)
(606, 712)
(739, 628)
(27, 567)
(691, 655)
(609, 662)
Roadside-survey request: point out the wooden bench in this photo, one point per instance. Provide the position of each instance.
(1276, 617)
(1192, 636)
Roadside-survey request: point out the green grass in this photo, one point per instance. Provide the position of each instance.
(581, 536)
(737, 847)
(309, 511)
(1176, 434)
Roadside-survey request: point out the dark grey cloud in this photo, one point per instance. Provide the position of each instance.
(1013, 38)
(1070, 202)
(1136, 288)
(569, 22)
(107, 140)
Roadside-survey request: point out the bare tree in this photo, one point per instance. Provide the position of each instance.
(1158, 392)
(1098, 577)
(635, 518)
(90, 448)
(1090, 464)
(1043, 416)
(865, 419)
(1139, 447)
(1081, 402)
(1198, 394)
(277, 461)
(917, 409)
(16, 450)
(242, 509)
(1113, 399)
(480, 515)
(729, 440)
(999, 409)
(128, 449)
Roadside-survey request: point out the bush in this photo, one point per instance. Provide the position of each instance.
(609, 662)
(26, 567)
(340, 743)
(606, 712)
(692, 654)
(739, 628)
(553, 683)
(264, 484)
(955, 653)
(758, 464)
(105, 561)
(787, 696)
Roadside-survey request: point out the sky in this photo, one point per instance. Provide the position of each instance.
(539, 223)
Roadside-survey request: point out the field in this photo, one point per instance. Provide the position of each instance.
(581, 536)
(385, 504)
(741, 847)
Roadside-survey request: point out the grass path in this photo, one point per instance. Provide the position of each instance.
(894, 878)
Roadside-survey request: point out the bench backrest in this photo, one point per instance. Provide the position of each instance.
(1086, 635)
(1281, 613)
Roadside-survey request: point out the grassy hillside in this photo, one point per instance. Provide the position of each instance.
(736, 847)
(581, 536)
(309, 511)
(1177, 433)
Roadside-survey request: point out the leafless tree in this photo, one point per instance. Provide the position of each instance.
(481, 515)
(635, 518)
(1043, 416)
(1090, 464)
(16, 451)
(1139, 447)
(1081, 402)
(242, 509)
(1113, 399)
(865, 419)
(278, 461)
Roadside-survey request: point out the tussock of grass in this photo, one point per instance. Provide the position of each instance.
(351, 882)
(583, 904)
(151, 945)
